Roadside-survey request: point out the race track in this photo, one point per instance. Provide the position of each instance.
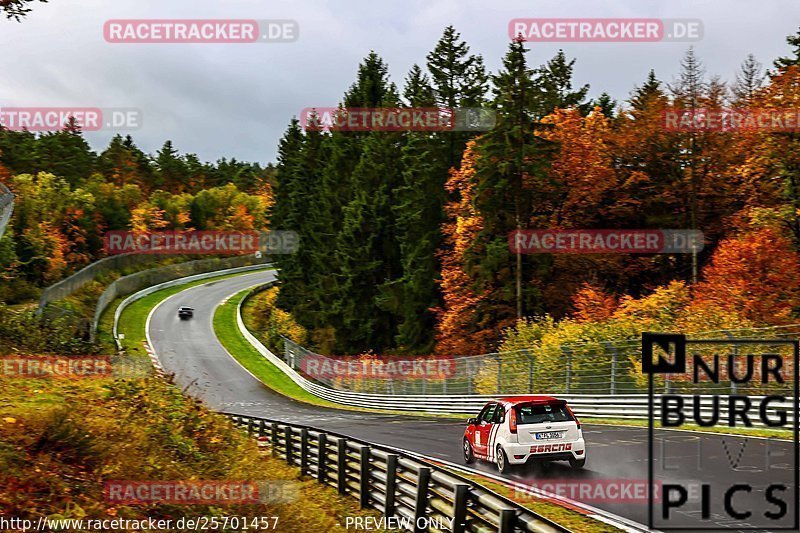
(190, 350)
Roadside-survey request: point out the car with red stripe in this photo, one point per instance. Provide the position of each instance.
(518, 430)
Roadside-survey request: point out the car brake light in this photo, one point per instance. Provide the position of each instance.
(512, 420)
(577, 422)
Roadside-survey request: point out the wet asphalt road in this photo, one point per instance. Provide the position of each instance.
(616, 456)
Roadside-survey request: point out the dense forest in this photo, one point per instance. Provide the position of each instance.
(405, 234)
(68, 196)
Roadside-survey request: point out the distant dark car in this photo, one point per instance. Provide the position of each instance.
(185, 312)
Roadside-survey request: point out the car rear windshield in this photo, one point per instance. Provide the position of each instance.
(543, 412)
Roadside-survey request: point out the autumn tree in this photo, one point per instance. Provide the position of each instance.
(757, 275)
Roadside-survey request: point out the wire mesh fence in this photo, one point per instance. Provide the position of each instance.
(591, 368)
(6, 207)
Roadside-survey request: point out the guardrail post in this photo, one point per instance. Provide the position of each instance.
(363, 477)
(460, 501)
(421, 503)
(322, 457)
(274, 438)
(391, 484)
(287, 432)
(250, 426)
(262, 428)
(508, 519)
(304, 451)
(341, 465)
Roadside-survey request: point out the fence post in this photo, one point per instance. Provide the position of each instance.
(262, 428)
(527, 354)
(421, 503)
(322, 457)
(460, 508)
(391, 484)
(566, 351)
(735, 359)
(613, 349)
(499, 372)
(508, 519)
(363, 481)
(341, 465)
(274, 439)
(304, 451)
(250, 426)
(288, 436)
(470, 372)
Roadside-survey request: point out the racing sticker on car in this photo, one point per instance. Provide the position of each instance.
(550, 448)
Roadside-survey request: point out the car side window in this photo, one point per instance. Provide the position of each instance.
(488, 413)
(499, 415)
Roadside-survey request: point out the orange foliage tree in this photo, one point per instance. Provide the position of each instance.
(593, 304)
(456, 329)
(756, 274)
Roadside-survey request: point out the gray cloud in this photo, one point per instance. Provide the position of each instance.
(235, 100)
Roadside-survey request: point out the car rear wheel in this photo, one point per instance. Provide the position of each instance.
(469, 457)
(502, 461)
(577, 464)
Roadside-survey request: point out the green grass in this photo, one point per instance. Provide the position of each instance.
(226, 327)
(227, 331)
(568, 518)
(133, 320)
(740, 431)
(132, 323)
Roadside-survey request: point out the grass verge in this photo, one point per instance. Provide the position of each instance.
(568, 518)
(62, 440)
(784, 434)
(226, 327)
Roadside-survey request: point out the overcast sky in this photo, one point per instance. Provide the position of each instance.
(235, 100)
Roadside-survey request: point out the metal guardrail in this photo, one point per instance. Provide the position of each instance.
(6, 207)
(395, 483)
(129, 284)
(84, 276)
(620, 406)
(171, 283)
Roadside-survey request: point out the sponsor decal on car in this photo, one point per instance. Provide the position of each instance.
(549, 448)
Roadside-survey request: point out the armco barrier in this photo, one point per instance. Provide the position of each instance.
(420, 494)
(150, 289)
(6, 207)
(67, 286)
(632, 406)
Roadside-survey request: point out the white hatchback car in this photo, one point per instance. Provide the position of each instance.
(518, 429)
